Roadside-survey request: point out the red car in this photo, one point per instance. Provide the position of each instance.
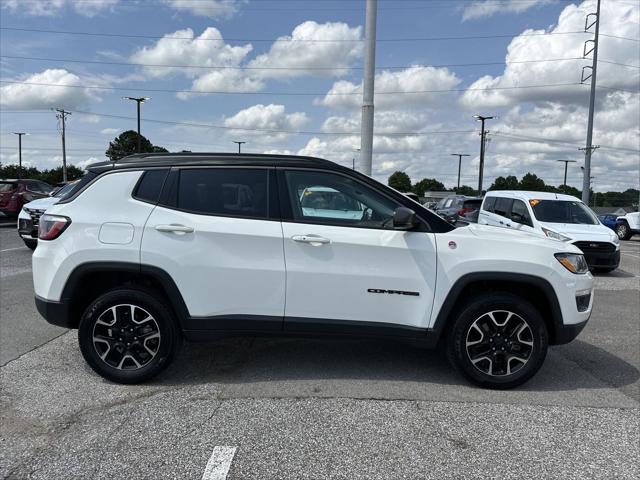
(15, 193)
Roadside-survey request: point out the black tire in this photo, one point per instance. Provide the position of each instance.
(32, 244)
(476, 312)
(623, 231)
(127, 359)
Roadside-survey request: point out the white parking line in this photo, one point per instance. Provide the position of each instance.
(629, 255)
(11, 249)
(219, 463)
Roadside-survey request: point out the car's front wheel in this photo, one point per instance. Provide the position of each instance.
(623, 231)
(498, 341)
(128, 335)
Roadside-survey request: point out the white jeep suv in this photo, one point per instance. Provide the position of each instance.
(157, 247)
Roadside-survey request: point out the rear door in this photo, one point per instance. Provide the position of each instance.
(486, 216)
(216, 234)
(347, 271)
(7, 189)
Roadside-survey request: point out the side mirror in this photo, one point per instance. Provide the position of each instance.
(404, 218)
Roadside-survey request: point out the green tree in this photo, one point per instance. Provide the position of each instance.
(569, 190)
(505, 183)
(427, 185)
(127, 144)
(400, 181)
(54, 175)
(466, 190)
(532, 182)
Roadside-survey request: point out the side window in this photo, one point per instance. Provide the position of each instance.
(519, 213)
(238, 192)
(328, 198)
(488, 204)
(150, 185)
(32, 186)
(45, 187)
(502, 206)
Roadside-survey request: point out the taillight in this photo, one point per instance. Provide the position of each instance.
(52, 226)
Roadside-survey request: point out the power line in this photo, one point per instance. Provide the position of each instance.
(291, 40)
(227, 67)
(216, 92)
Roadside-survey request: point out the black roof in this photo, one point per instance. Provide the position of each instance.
(187, 159)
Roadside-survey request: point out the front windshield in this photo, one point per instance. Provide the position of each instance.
(561, 211)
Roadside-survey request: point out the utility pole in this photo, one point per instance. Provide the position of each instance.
(566, 163)
(482, 148)
(62, 116)
(138, 101)
(366, 133)
(20, 134)
(592, 98)
(459, 155)
(239, 144)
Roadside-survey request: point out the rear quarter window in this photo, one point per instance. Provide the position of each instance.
(150, 185)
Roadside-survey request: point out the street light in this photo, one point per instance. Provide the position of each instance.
(459, 155)
(138, 101)
(566, 163)
(481, 119)
(239, 145)
(20, 134)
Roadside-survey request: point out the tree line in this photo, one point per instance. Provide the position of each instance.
(530, 181)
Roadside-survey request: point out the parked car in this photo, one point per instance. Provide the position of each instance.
(610, 221)
(15, 193)
(553, 215)
(449, 207)
(30, 214)
(628, 225)
(470, 210)
(148, 249)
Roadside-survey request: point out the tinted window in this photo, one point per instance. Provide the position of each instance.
(45, 187)
(475, 203)
(519, 212)
(502, 206)
(33, 186)
(7, 186)
(561, 211)
(224, 191)
(150, 185)
(336, 200)
(488, 204)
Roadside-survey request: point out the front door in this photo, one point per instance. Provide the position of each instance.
(345, 265)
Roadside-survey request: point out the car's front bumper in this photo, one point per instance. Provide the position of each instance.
(27, 230)
(567, 333)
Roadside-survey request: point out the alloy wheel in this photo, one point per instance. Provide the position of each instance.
(126, 337)
(499, 343)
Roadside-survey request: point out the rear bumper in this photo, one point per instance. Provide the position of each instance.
(567, 333)
(56, 313)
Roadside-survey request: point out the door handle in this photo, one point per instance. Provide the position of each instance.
(315, 240)
(179, 229)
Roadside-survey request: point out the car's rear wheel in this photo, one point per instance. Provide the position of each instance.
(498, 341)
(623, 231)
(127, 335)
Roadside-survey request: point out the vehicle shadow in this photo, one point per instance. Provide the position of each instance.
(577, 366)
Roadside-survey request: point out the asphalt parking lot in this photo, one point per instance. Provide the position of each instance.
(272, 408)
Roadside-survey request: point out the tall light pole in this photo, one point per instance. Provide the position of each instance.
(589, 148)
(239, 145)
(138, 101)
(566, 163)
(483, 134)
(459, 155)
(366, 127)
(20, 134)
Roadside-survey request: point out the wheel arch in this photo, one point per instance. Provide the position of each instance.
(88, 280)
(536, 290)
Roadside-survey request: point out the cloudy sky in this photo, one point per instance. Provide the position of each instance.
(285, 76)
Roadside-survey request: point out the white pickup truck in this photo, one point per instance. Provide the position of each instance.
(628, 226)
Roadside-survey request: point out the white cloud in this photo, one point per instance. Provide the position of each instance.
(265, 117)
(183, 48)
(310, 45)
(347, 95)
(49, 8)
(66, 95)
(207, 8)
(110, 131)
(488, 8)
(616, 17)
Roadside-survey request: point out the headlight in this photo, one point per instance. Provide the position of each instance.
(26, 210)
(555, 235)
(574, 262)
(615, 239)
